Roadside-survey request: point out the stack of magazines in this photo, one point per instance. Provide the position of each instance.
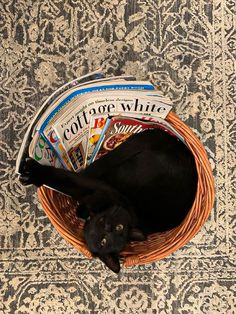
(90, 116)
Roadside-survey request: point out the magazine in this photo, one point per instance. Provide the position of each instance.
(98, 122)
(93, 78)
(24, 149)
(41, 152)
(53, 100)
(62, 105)
(69, 127)
(77, 104)
(119, 128)
(72, 128)
(103, 86)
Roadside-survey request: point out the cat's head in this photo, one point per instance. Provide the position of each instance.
(107, 233)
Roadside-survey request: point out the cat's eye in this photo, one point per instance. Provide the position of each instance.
(119, 227)
(103, 242)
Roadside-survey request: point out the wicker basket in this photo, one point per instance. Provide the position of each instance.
(61, 211)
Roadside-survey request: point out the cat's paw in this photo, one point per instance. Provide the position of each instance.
(25, 180)
(30, 166)
(30, 172)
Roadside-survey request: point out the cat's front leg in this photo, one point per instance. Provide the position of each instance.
(76, 185)
(59, 179)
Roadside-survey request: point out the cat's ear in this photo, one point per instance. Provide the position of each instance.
(111, 261)
(137, 235)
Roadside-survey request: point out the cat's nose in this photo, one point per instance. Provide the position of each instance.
(107, 227)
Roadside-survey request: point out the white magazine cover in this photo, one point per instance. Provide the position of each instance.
(69, 88)
(47, 153)
(46, 128)
(72, 128)
(45, 124)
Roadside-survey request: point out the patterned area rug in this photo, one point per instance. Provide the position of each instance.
(185, 47)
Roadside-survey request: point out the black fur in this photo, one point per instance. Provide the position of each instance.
(145, 185)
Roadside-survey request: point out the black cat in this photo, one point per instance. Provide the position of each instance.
(145, 185)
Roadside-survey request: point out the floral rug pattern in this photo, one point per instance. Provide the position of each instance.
(185, 47)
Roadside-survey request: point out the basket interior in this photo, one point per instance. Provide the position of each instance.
(61, 211)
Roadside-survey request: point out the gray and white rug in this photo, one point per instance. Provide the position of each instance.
(185, 47)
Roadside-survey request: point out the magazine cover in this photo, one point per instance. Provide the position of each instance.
(93, 78)
(96, 126)
(72, 127)
(41, 152)
(60, 106)
(24, 149)
(49, 134)
(119, 129)
(111, 85)
(98, 122)
(69, 126)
